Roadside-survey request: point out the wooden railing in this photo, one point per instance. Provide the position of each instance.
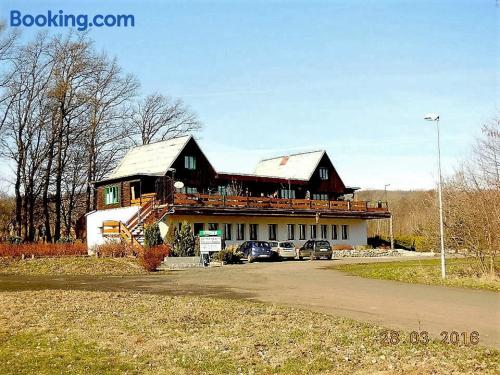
(143, 199)
(276, 203)
(114, 228)
(142, 214)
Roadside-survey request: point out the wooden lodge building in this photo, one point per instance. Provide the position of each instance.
(295, 197)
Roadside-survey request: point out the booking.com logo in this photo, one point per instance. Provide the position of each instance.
(81, 21)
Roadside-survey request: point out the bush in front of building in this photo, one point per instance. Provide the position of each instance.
(230, 255)
(151, 257)
(22, 250)
(184, 243)
(152, 236)
(171, 234)
(113, 249)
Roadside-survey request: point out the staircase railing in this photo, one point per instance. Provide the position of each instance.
(115, 228)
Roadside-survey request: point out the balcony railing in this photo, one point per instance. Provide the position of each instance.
(226, 201)
(143, 199)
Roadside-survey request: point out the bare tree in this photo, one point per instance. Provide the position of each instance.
(7, 53)
(65, 115)
(73, 65)
(25, 119)
(157, 118)
(473, 201)
(107, 130)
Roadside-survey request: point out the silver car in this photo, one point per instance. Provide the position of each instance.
(285, 249)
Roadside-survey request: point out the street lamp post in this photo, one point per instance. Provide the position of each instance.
(390, 217)
(435, 117)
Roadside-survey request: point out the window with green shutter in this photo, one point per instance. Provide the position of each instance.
(111, 195)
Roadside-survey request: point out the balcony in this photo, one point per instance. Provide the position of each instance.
(265, 205)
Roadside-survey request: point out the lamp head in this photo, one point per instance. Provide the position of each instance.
(431, 117)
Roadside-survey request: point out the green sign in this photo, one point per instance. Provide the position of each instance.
(210, 233)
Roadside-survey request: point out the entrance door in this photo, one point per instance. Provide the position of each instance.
(135, 191)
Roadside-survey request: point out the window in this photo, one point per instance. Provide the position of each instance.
(272, 232)
(324, 230)
(197, 228)
(213, 226)
(323, 173)
(313, 231)
(335, 235)
(345, 232)
(291, 231)
(240, 233)
(190, 162)
(288, 194)
(227, 232)
(222, 190)
(254, 228)
(189, 190)
(320, 196)
(302, 231)
(111, 195)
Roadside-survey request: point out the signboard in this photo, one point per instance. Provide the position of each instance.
(208, 233)
(210, 244)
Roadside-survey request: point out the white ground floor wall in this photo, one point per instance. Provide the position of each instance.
(356, 228)
(96, 218)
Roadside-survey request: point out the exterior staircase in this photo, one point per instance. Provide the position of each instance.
(133, 230)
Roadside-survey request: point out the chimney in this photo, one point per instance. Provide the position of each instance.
(284, 160)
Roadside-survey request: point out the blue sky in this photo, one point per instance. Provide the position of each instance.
(352, 77)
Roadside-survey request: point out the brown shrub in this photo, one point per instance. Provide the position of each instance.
(151, 258)
(115, 250)
(342, 247)
(42, 249)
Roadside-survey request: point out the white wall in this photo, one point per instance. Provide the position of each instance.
(96, 218)
(357, 227)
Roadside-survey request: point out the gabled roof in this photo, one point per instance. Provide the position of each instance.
(296, 167)
(153, 159)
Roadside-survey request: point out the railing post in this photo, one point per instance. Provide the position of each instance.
(348, 205)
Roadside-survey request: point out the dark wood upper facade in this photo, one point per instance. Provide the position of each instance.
(194, 170)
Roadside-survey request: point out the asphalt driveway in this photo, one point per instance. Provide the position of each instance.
(309, 285)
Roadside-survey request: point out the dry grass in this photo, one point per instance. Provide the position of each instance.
(461, 272)
(103, 332)
(71, 266)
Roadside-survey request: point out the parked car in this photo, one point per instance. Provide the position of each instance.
(252, 250)
(314, 249)
(285, 249)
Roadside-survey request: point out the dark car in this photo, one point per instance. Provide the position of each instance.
(316, 249)
(256, 250)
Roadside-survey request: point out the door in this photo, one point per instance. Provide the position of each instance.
(135, 191)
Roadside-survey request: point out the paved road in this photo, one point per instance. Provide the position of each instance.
(388, 303)
(310, 285)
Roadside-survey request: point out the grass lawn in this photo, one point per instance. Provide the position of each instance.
(71, 266)
(461, 272)
(78, 332)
